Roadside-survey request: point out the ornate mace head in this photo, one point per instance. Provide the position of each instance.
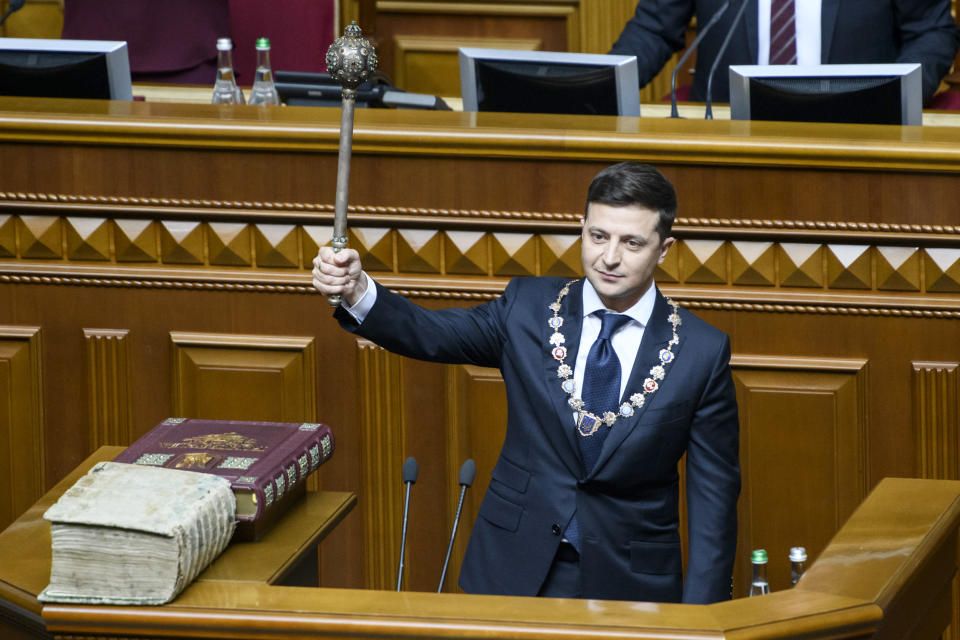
(351, 58)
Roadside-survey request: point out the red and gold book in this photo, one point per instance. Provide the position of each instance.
(267, 463)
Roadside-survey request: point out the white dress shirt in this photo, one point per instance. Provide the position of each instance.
(808, 31)
(625, 342)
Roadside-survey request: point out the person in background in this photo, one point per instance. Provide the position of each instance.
(806, 32)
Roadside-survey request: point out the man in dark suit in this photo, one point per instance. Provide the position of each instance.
(608, 384)
(851, 31)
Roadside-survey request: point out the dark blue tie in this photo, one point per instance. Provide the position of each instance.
(601, 385)
(601, 393)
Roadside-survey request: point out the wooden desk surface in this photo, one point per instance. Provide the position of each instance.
(25, 545)
(883, 571)
(380, 131)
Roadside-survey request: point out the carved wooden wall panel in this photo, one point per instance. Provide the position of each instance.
(22, 439)
(774, 264)
(380, 402)
(476, 415)
(243, 377)
(936, 407)
(107, 369)
(417, 40)
(936, 393)
(803, 428)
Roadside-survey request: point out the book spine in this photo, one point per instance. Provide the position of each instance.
(297, 465)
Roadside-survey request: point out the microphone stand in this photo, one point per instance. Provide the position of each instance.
(716, 61)
(674, 112)
(467, 472)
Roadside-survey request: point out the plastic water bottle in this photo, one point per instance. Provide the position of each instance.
(798, 563)
(225, 90)
(264, 91)
(759, 586)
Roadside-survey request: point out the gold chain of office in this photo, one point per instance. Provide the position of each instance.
(588, 423)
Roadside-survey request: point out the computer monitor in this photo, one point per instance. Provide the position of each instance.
(48, 68)
(851, 93)
(548, 82)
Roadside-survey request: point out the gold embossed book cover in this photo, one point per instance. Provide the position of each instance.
(267, 463)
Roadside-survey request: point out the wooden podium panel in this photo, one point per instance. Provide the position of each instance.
(286, 555)
(885, 575)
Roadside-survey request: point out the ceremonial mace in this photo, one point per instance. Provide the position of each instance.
(350, 60)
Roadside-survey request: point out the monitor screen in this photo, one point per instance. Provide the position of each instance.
(849, 93)
(548, 82)
(48, 68)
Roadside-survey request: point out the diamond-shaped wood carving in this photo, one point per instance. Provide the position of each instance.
(276, 245)
(752, 263)
(848, 266)
(418, 251)
(703, 262)
(560, 255)
(88, 238)
(514, 254)
(465, 253)
(669, 269)
(801, 264)
(229, 244)
(314, 237)
(942, 269)
(8, 236)
(898, 268)
(375, 246)
(181, 242)
(135, 240)
(40, 237)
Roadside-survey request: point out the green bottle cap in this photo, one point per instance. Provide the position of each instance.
(263, 43)
(759, 556)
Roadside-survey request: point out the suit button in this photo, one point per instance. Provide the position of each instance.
(555, 529)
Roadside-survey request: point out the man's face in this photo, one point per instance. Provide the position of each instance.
(620, 248)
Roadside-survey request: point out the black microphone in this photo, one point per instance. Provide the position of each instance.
(15, 5)
(674, 113)
(716, 61)
(467, 473)
(409, 479)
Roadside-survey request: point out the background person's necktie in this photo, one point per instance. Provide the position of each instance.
(783, 32)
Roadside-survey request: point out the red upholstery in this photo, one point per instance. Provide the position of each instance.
(175, 40)
(299, 33)
(945, 100)
(169, 41)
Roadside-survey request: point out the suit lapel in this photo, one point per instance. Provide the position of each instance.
(656, 336)
(750, 20)
(828, 24)
(572, 313)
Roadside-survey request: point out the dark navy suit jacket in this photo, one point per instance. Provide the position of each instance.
(627, 505)
(852, 31)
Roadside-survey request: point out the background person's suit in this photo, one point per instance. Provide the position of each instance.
(627, 505)
(852, 31)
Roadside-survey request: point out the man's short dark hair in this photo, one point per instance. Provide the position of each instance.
(635, 184)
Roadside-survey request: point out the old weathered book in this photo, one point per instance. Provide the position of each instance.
(128, 534)
(267, 463)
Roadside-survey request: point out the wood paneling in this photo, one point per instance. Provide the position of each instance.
(243, 377)
(431, 64)
(803, 455)
(936, 406)
(380, 401)
(107, 367)
(37, 19)
(792, 239)
(476, 418)
(22, 439)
